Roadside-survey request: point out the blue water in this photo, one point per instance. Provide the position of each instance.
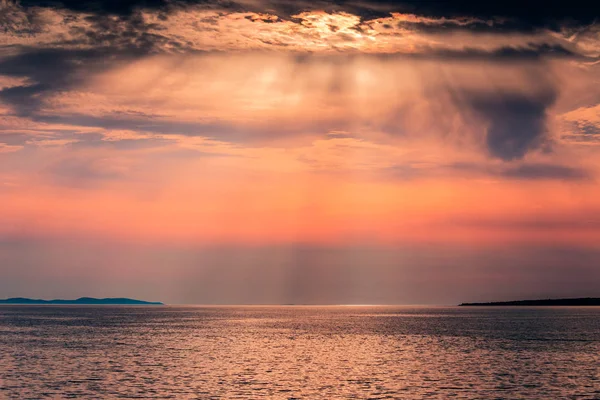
(299, 352)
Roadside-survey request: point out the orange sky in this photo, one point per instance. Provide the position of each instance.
(271, 152)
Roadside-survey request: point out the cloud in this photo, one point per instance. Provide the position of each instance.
(582, 125)
(573, 221)
(502, 106)
(538, 171)
(113, 7)
(59, 73)
(521, 171)
(186, 26)
(83, 172)
(516, 122)
(13, 138)
(7, 148)
(575, 12)
(550, 15)
(153, 68)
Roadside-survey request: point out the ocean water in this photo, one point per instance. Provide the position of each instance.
(299, 352)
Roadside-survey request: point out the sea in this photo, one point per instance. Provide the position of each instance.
(299, 352)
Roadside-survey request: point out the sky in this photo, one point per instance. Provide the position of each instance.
(305, 152)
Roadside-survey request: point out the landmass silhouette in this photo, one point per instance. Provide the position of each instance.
(81, 301)
(584, 301)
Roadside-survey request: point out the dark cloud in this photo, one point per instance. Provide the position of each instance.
(589, 128)
(583, 131)
(524, 171)
(49, 71)
(516, 121)
(545, 171)
(115, 7)
(510, 171)
(534, 14)
(515, 14)
(530, 52)
(131, 33)
(25, 99)
(214, 130)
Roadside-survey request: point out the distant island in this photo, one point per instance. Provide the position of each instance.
(81, 301)
(585, 301)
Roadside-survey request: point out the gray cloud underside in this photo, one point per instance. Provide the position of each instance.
(526, 171)
(517, 122)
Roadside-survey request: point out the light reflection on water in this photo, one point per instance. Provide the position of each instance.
(299, 352)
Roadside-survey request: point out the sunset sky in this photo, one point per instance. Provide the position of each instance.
(255, 151)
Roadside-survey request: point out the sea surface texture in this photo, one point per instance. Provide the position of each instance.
(299, 352)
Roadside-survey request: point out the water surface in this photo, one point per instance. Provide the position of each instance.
(299, 352)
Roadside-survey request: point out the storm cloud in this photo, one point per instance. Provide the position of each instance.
(516, 122)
